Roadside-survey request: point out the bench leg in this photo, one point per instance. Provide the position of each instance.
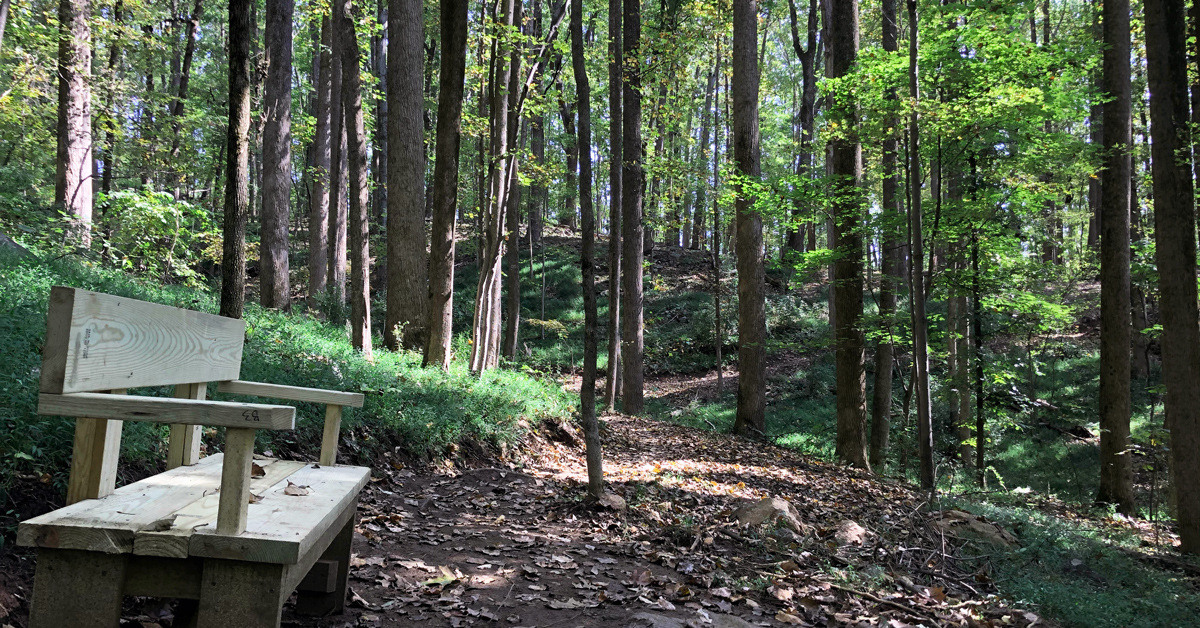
(321, 603)
(77, 588)
(242, 594)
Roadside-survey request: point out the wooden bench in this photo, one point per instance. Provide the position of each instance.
(232, 534)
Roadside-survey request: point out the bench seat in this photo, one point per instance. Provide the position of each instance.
(174, 514)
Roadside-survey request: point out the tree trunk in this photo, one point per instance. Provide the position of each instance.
(917, 268)
(1116, 467)
(1175, 254)
(566, 113)
(1096, 132)
(237, 171)
(846, 159)
(591, 427)
(538, 191)
(445, 180)
(318, 216)
(701, 207)
(73, 183)
(808, 105)
(182, 81)
(407, 318)
(512, 206)
(752, 322)
(3, 20)
(379, 152)
(485, 335)
(612, 385)
(718, 333)
(881, 408)
(115, 50)
(335, 280)
(357, 185)
(633, 184)
(277, 155)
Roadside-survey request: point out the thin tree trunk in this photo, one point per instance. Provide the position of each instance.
(318, 216)
(612, 385)
(3, 20)
(752, 322)
(407, 317)
(277, 155)
(977, 338)
(1175, 254)
(917, 268)
(115, 51)
(846, 159)
(718, 332)
(1116, 466)
(881, 408)
(537, 130)
(237, 172)
(335, 280)
(701, 207)
(591, 427)
(358, 187)
(1096, 132)
(512, 207)
(445, 180)
(183, 79)
(633, 182)
(73, 183)
(379, 152)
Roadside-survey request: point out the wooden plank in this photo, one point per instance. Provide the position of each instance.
(241, 594)
(183, 444)
(337, 553)
(331, 547)
(174, 541)
(108, 525)
(164, 410)
(321, 578)
(152, 576)
(285, 527)
(98, 341)
(292, 393)
(329, 438)
(94, 457)
(77, 589)
(235, 481)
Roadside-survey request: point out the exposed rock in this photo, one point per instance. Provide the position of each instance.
(850, 533)
(770, 510)
(964, 525)
(8, 243)
(703, 619)
(611, 501)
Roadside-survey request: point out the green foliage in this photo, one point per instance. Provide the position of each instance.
(152, 233)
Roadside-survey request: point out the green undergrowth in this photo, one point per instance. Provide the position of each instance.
(1078, 573)
(420, 413)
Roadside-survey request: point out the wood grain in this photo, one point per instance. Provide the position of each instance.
(235, 481)
(329, 437)
(166, 410)
(97, 341)
(183, 444)
(292, 393)
(94, 457)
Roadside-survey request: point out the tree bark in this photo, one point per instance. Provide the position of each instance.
(1116, 467)
(701, 207)
(917, 267)
(633, 183)
(881, 408)
(591, 427)
(335, 279)
(357, 186)
(3, 20)
(846, 160)
(538, 192)
(445, 180)
(115, 50)
(1175, 254)
(182, 81)
(752, 322)
(237, 171)
(73, 183)
(612, 385)
(512, 206)
(379, 152)
(277, 156)
(318, 215)
(407, 318)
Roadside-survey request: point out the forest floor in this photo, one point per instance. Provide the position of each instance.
(521, 547)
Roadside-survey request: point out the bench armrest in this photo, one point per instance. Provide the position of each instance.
(159, 410)
(292, 393)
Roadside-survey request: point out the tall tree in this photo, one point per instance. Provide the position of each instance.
(752, 321)
(612, 384)
(183, 79)
(277, 156)
(318, 214)
(846, 162)
(357, 186)
(881, 408)
(512, 206)
(701, 207)
(485, 335)
(407, 276)
(587, 395)
(335, 278)
(445, 180)
(73, 183)
(1116, 468)
(237, 170)
(3, 20)
(633, 185)
(1175, 254)
(917, 290)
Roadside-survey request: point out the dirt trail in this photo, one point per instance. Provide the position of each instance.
(520, 548)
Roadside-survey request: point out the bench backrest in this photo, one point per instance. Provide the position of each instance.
(100, 342)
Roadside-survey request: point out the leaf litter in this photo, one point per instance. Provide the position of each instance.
(522, 549)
